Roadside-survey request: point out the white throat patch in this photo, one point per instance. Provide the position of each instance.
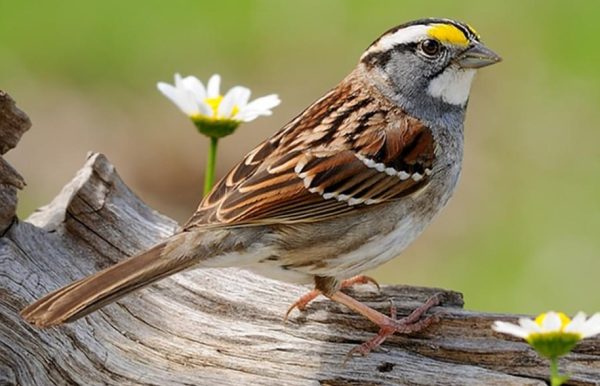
(453, 85)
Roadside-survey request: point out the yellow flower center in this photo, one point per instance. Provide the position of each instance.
(564, 320)
(214, 103)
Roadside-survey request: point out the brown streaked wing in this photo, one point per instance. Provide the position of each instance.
(317, 187)
(297, 129)
(342, 154)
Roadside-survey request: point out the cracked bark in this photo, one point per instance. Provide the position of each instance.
(215, 326)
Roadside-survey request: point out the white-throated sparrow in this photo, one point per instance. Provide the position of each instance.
(344, 187)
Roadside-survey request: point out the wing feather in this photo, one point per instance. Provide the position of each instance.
(349, 150)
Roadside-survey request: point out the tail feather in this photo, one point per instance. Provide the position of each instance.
(93, 292)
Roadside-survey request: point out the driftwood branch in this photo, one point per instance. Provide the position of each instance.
(215, 327)
(13, 123)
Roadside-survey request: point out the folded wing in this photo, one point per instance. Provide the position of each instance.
(327, 162)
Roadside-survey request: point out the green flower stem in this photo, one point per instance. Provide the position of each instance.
(209, 173)
(555, 378)
(214, 129)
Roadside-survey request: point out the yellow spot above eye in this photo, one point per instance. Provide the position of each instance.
(448, 33)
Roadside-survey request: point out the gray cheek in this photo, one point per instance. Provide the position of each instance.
(409, 75)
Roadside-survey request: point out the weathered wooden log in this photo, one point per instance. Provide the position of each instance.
(13, 123)
(216, 327)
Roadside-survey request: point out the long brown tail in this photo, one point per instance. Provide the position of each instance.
(93, 292)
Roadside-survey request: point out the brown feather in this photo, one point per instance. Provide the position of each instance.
(323, 160)
(87, 295)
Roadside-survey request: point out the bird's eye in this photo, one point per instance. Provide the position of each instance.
(430, 47)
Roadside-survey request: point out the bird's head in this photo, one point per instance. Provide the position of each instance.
(427, 63)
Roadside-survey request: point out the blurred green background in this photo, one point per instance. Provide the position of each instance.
(521, 233)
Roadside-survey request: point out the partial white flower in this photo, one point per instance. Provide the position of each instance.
(552, 334)
(200, 103)
(585, 328)
(552, 322)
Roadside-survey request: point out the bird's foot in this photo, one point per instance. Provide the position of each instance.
(303, 301)
(390, 325)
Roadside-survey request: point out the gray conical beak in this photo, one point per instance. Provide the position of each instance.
(477, 56)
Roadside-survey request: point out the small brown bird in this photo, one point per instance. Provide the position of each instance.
(344, 187)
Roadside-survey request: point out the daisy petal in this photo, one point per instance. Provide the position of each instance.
(233, 102)
(226, 106)
(551, 322)
(178, 81)
(247, 116)
(242, 96)
(205, 109)
(259, 107)
(180, 98)
(577, 323)
(264, 103)
(214, 86)
(510, 328)
(196, 87)
(592, 326)
(529, 325)
(594, 319)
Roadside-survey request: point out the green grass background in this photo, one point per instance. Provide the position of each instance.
(522, 233)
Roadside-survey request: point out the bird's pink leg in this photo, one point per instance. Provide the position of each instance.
(303, 301)
(388, 325)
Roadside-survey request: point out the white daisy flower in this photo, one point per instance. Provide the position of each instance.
(552, 334)
(214, 114)
(207, 104)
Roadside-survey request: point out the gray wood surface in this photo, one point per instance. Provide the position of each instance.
(215, 327)
(13, 123)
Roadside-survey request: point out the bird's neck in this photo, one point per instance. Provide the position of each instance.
(415, 101)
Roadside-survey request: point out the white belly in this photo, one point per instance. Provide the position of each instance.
(388, 232)
(378, 250)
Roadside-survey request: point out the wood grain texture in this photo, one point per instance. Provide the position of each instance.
(13, 123)
(222, 327)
